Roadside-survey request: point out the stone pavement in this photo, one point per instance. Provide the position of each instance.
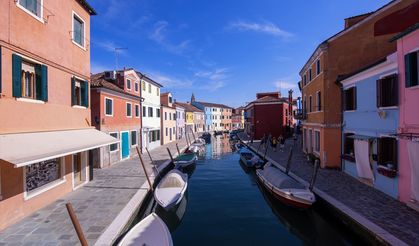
(394, 217)
(96, 204)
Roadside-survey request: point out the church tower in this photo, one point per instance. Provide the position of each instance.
(192, 98)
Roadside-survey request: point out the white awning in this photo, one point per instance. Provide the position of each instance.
(23, 149)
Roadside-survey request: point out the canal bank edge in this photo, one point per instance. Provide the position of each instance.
(376, 231)
(121, 222)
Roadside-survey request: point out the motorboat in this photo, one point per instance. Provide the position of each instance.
(284, 188)
(171, 189)
(149, 231)
(250, 159)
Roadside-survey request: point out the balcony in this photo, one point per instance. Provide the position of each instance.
(301, 114)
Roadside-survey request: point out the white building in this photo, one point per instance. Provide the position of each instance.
(150, 113)
(216, 119)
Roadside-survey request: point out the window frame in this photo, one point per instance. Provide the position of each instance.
(117, 144)
(380, 152)
(129, 83)
(318, 70)
(318, 101)
(137, 106)
(345, 155)
(38, 18)
(144, 114)
(82, 46)
(136, 86)
(150, 111)
(136, 138)
(354, 97)
(111, 99)
(409, 84)
(379, 91)
(126, 109)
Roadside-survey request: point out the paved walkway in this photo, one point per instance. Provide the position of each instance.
(96, 204)
(394, 217)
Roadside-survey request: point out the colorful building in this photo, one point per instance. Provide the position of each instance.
(180, 121)
(194, 118)
(266, 115)
(115, 100)
(168, 118)
(226, 121)
(217, 116)
(199, 119)
(353, 48)
(150, 117)
(370, 121)
(45, 133)
(237, 118)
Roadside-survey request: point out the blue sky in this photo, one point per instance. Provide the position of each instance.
(223, 51)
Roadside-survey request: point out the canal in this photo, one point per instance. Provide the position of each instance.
(225, 205)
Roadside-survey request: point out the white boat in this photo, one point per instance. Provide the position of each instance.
(150, 231)
(284, 188)
(171, 189)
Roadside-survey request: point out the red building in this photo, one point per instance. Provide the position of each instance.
(266, 115)
(116, 110)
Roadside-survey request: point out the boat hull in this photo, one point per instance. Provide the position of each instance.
(171, 189)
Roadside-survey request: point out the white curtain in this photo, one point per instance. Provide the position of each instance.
(362, 158)
(413, 150)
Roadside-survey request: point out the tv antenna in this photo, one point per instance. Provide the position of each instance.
(117, 51)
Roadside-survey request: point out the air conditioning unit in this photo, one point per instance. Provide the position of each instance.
(111, 75)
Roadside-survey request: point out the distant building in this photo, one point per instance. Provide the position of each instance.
(194, 118)
(116, 99)
(226, 121)
(266, 115)
(168, 118)
(237, 118)
(217, 116)
(180, 121)
(151, 122)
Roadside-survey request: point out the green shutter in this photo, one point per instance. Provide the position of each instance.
(84, 94)
(38, 81)
(378, 91)
(411, 64)
(44, 83)
(73, 91)
(16, 75)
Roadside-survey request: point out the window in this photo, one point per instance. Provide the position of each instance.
(137, 110)
(80, 92)
(134, 138)
(113, 147)
(144, 111)
(174, 116)
(170, 116)
(412, 69)
(348, 148)
(310, 104)
(309, 75)
(158, 91)
(149, 88)
(136, 87)
(158, 113)
(108, 106)
(387, 151)
(34, 7)
(43, 173)
(129, 110)
(167, 131)
(305, 79)
(170, 99)
(319, 101)
(158, 134)
(317, 141)
(165, 115)
(387, 91)
(78, 30)
(318, 67)
(128, 84)
(143, 85)
(150, 112)
(30, 80)
(349, 97)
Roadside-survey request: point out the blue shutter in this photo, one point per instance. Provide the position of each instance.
(17, 75)
(73, 91)
(38, 81)
(44, 83)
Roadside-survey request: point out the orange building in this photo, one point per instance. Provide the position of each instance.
(116, 100)
(45, 130)
(226, 121)
(168, 118)
(349, 50)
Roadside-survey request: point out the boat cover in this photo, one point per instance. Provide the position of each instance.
(185, 157)
(279, 179)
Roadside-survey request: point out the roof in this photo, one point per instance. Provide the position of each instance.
(87, 7)
(213, 105)
(188, 107)
(324, 43)
(405, 32)
(143, 76)
(345, 76)
(98, 81)
(268, 99)
(398, 21)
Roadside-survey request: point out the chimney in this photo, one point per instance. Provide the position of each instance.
(355, 19)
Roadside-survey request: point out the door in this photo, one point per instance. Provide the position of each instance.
(124, 145)
(79, 170)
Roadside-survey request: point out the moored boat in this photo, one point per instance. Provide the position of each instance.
(284, 188)
(185, 159)
(149, 231)
(171, 189)
(250, 159)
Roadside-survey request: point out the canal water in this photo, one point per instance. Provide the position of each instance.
(225, 205)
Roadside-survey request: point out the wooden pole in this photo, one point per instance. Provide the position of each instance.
(145, 170)
(288, 167)
(188, 141)
(177, 147)
(148, 152)
(76, 224)
(315, 171)
(170, 154)
(193, 135)
(266, 147)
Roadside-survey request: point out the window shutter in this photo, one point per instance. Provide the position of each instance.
(73, 91)
(44, 83)
(17, 75)
(379, 154)
(0, 68)
(38, 78)
(395, 89)
(85, 94)
(354, 98)
(378, 91)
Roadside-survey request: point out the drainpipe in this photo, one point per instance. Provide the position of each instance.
(342, 163)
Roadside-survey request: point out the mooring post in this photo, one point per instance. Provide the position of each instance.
(148, 152)
(288, 167)
(261, 141)
(193, 135)
(266, 148)
(170, 154)
(76, 224)
(145, 170)
(187, 139)
(316, 168)
(177, 147)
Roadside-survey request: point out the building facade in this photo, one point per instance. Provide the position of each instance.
(266, 116)
(199, 120)
(226, 121)
(116, 110)
(237, 118)
(343, 53)
(180, 121)
(168, 118)
(45, 133)
(150, 116)
(370, 149)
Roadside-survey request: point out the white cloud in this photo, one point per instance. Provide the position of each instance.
(171, 82)
(266, 28)
(287, 83)
(212, 80)
(159, 35)
(97, 68)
